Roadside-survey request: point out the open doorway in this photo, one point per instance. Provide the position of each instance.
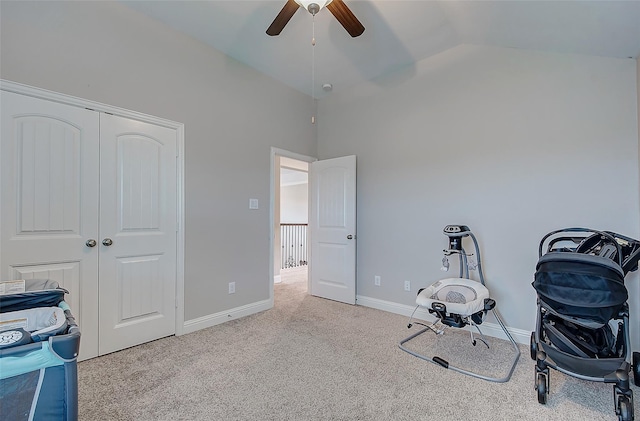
(293, 223)
(331, 232)
(290, 217)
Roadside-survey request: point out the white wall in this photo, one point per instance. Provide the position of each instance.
(294, 207)
(512, 143)
(105, 52)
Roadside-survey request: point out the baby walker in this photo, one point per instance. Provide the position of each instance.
(458, 302)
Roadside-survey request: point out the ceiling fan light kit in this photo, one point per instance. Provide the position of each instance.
(313, 6)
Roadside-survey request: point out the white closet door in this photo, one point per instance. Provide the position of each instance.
(138, 224)
(49, 201)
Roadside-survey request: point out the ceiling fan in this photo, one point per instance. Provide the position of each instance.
(337, 8)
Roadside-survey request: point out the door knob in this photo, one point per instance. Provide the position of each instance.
(349, 237)
(91, 242)
(107, 242)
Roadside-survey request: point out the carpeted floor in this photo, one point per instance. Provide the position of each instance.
(315, 359)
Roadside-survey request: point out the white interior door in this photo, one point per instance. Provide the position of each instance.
(49, 201)
(138, 229)
(332, 267)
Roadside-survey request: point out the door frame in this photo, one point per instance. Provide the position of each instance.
(275, 152)
(19, 88)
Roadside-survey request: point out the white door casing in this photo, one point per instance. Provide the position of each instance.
(50, 183)
(137, 277)
(332, 263)
(49, 201)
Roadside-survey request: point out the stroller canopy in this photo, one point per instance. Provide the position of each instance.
(581, 286)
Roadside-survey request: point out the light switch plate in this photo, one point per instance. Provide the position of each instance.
(253, 203)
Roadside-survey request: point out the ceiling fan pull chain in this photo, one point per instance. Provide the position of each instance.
(313, 30)
(313, 57)
(313, 68)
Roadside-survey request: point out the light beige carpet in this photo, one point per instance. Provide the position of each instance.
(315, 359)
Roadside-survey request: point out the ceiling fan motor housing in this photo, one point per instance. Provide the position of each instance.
(313, 8)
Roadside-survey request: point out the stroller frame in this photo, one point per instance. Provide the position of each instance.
(551, 348)
(450, 319)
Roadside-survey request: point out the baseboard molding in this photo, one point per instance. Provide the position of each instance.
(490, 329)
(224, 316)
(277, 279)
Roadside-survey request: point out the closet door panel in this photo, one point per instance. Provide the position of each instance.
(49, 200)
(138, 216)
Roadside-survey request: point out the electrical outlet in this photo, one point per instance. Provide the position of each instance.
(232, 287)
(407, 285)
(376, 280)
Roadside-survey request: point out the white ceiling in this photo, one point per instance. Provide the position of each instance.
(398, 33)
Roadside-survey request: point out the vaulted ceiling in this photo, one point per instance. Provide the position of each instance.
(398, 33)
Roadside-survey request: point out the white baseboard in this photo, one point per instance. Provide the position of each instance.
(489, 329)
(224, 316)
(277, 279)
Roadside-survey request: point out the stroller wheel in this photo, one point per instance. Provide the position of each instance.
(541, 387)
(533, 347)
(635, 362)
(625, 410)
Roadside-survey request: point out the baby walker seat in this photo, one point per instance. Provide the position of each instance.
(454, 299)
(458, 302)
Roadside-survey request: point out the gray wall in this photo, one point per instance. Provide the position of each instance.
(108, 53)
(512, 143)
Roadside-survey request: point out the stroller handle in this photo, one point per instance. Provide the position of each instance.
(606, 234)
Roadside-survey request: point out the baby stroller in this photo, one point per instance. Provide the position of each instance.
(582, 326)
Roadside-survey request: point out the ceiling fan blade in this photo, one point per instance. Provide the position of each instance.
(346, 18)
(287, 12)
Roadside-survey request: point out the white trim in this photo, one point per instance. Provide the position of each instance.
(272, 210)
(180, 234)
(490, 329)
(277, 279)
(22, 89)
(287, 154)
(9, 86)
(224, 316)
